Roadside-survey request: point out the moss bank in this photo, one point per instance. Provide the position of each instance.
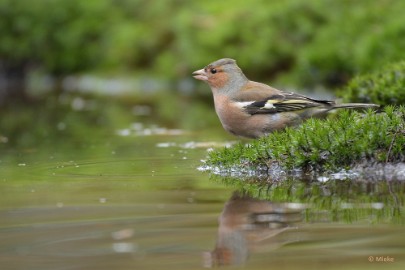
(385, 86)
(340, 142)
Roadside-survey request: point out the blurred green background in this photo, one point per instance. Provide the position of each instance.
(143, 53)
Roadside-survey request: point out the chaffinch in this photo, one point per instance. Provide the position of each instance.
(251, 109)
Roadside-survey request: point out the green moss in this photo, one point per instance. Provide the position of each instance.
(342, 141)
(384, 87)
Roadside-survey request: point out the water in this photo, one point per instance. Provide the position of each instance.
(131, 201)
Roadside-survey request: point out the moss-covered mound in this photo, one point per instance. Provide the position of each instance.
(384, 87)
(348, 139)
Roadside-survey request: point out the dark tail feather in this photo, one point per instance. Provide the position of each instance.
(355, 105)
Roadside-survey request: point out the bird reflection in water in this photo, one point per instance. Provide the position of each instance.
(249, 225)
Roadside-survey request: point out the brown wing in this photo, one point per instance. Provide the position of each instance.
(266, 100)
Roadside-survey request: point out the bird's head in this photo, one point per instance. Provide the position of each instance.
(221, 74)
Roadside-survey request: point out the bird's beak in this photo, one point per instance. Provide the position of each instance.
(200, 75)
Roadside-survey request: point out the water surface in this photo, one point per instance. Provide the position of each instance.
(130, 201)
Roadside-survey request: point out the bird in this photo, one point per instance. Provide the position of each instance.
(251, 109)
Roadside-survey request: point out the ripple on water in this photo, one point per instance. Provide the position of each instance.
(95, 236)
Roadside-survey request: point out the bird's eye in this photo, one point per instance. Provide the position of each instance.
(213, 70)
